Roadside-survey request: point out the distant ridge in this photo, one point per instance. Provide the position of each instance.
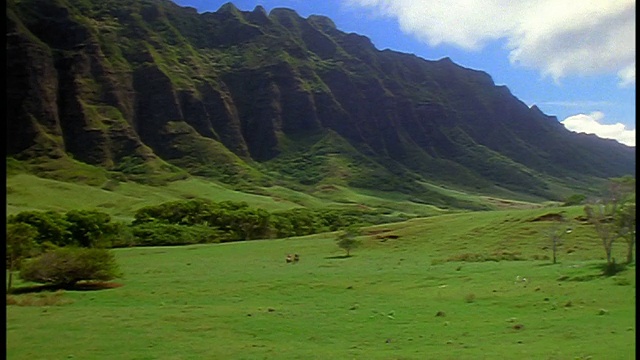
(146, 89)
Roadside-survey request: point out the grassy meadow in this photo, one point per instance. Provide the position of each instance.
(406, 293)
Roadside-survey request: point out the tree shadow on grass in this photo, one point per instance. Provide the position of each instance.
(596, 271)
(338, 257)
(81, 286)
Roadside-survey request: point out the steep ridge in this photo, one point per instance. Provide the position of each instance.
(146, 87)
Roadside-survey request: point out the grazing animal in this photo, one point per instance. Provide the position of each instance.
(520, 279)
(293, 258)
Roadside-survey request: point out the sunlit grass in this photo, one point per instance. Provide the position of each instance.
(398, 296)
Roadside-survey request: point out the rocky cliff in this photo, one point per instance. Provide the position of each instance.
(250, 96)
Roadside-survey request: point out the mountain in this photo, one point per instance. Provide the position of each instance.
(149, 91)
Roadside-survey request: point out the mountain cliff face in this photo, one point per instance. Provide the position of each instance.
(133, 85)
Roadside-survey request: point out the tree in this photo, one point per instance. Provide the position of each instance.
(51, 226)
(20, 245)
(555, 233)
(623, 192)
(347, 239)
(600, 215)
(64, 267)
(252, 223)
(603, 212)
(88, 228)
(625, 221)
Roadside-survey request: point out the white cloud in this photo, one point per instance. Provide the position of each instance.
(591, 124)
(556, 37)
(627, 76)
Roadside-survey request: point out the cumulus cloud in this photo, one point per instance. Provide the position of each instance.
(556, 37)
(592, 124)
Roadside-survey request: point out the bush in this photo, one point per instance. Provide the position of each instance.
(64, 267)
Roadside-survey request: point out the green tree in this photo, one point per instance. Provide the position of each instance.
(600, 215)
(603, 212)
(89, 228)
(304, 221)
(252, 223)
(163, 234)
(52, 227)
(20, 245)
(281, 226)
(625, 221)
(64, 267)
(347, 239)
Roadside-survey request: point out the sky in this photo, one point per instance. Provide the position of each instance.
(574, 60)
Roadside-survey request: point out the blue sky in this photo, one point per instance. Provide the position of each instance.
(574, 62)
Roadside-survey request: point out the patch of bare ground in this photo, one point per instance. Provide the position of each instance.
(549, 217)
(509, 204)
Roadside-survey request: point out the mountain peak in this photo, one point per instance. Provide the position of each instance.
(228, 7)
(259, 9)
(283, 12)
(323, 22)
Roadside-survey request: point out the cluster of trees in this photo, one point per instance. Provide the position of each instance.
(187, 222)
(236, 221)
(61, 249)
(81, 228)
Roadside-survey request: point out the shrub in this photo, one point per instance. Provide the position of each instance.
(64, 267)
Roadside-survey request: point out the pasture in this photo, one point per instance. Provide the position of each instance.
(406, 293)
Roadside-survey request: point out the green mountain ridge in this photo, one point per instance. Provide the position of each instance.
(152, 92)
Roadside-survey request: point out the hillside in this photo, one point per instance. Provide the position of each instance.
(147, 91)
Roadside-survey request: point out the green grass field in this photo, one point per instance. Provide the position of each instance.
(243, 301)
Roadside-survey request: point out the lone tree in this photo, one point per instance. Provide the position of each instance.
(347, 239)
(625, 221)
(555, 233)
(20, 245)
